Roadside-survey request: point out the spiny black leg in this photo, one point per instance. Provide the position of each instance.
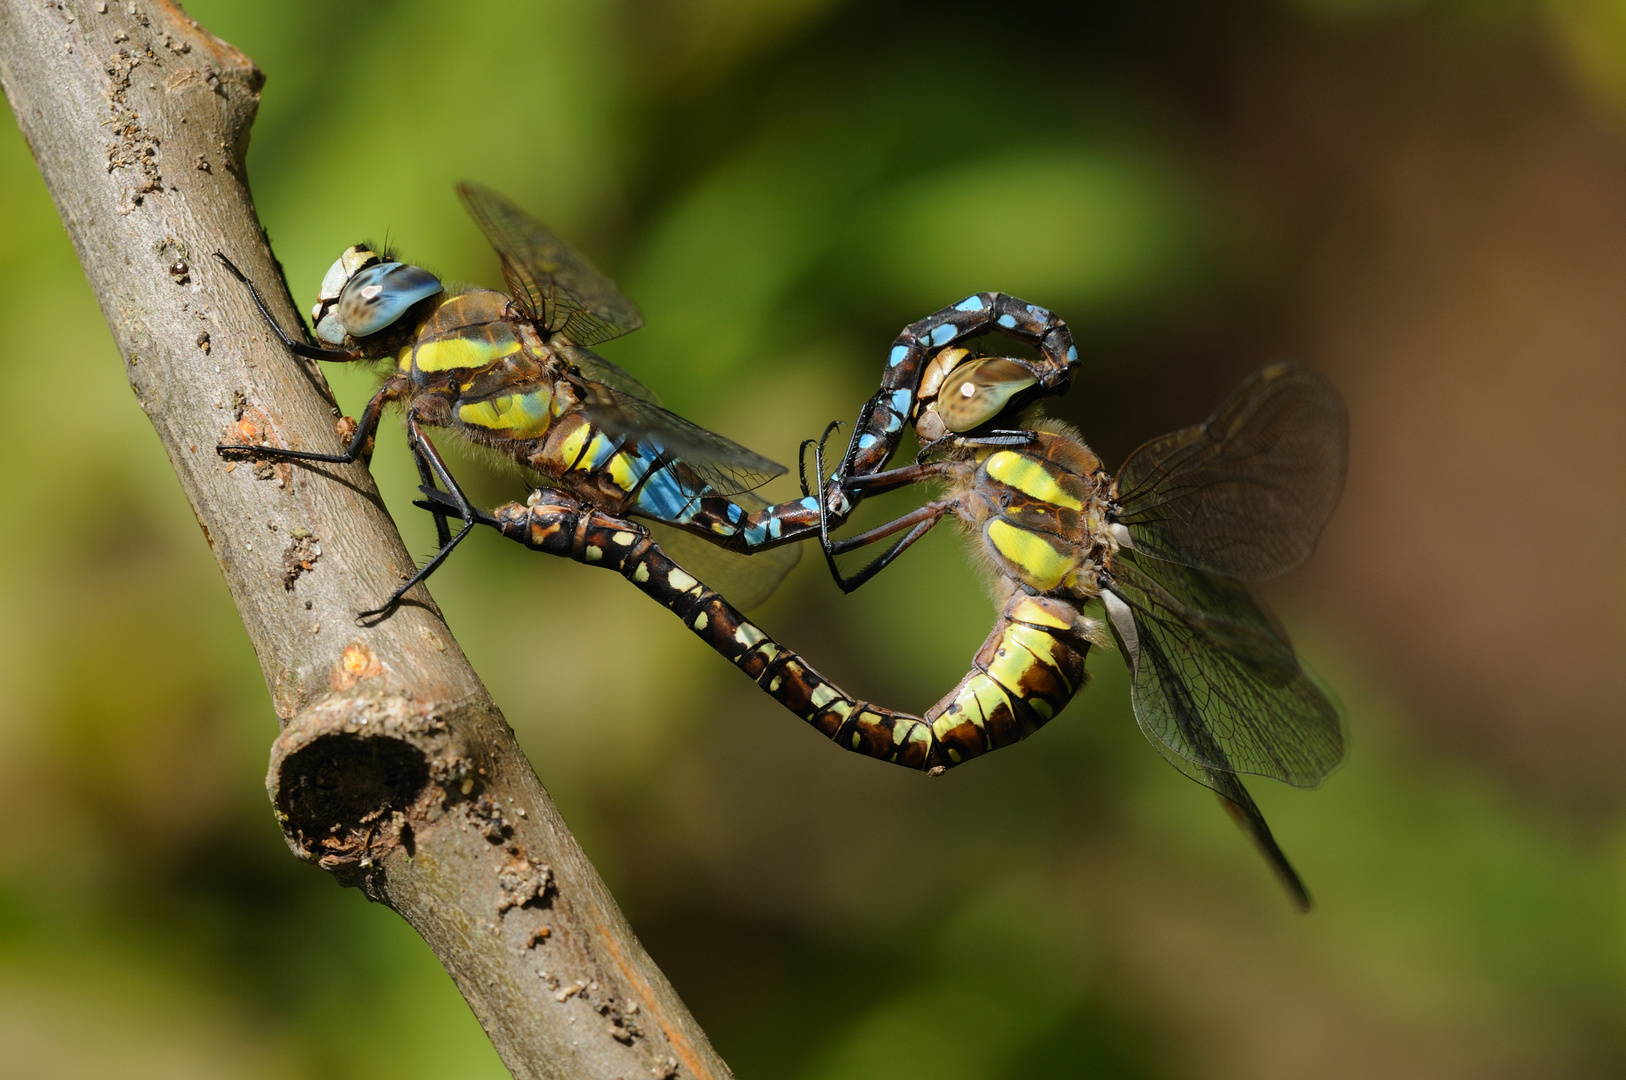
(443, 531)
(927, 448)
(891, 479)
(824, 509)
(441, 504)
(918, 522)
(465, 510)
(922, 520)
(358, 442)
(801, 467)
(829, 429)
(311, 352)
(862, 423)
(801, 457)
(837, 482)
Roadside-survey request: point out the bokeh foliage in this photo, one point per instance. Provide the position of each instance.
(780, 186)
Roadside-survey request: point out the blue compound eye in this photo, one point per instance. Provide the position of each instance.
(377, 296)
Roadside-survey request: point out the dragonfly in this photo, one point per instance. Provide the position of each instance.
(516, 372)
(1167, 547)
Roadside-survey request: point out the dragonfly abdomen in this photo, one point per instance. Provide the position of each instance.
(1026, 672)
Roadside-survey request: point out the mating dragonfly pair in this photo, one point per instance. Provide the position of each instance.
(1166, 546)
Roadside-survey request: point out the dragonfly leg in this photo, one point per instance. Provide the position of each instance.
(311, 352)
(426, 478)
(365, 428)
(465, 511)
(919, 522)
(892, 479)
(801, 457)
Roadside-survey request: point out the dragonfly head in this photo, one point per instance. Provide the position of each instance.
(959, 393)
(362, 293)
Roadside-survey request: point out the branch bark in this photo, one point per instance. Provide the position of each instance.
(394, 770)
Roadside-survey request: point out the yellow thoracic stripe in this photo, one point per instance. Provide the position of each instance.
(1042, 566)
(1031, 478)
(526, 415)
(464, 352)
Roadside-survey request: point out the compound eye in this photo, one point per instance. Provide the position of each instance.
(378, 295)
(974, 393)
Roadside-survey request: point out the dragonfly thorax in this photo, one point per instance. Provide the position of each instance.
(363, 293)
(1040, 512)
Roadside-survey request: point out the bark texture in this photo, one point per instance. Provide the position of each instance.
(394, 770)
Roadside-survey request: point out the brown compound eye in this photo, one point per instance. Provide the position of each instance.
(974, 393)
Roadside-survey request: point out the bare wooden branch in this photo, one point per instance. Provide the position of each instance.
(394, 770)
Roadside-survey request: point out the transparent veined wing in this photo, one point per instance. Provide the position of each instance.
(745, 580)
(562, 290)
(595, 367)
(1245, 493)
(1245, 812)
(700, 459)
(1215, 683)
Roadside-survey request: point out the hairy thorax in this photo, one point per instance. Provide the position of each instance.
(1039, 512)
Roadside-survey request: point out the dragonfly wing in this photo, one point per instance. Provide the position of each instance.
(702, 459)
(1245, 493)
(745, 580)
(1245, 812)
(1216, 685)
(598, 369)
(561, 289)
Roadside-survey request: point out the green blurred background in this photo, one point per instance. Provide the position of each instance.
(1424, 200)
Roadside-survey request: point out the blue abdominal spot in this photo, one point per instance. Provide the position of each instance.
(663, 497)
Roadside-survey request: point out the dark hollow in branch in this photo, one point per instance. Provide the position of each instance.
(394, 770)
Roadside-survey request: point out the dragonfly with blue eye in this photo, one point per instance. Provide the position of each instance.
(516, 373)
(1166, 547)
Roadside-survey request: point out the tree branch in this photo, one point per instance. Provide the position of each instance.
(394, 770)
